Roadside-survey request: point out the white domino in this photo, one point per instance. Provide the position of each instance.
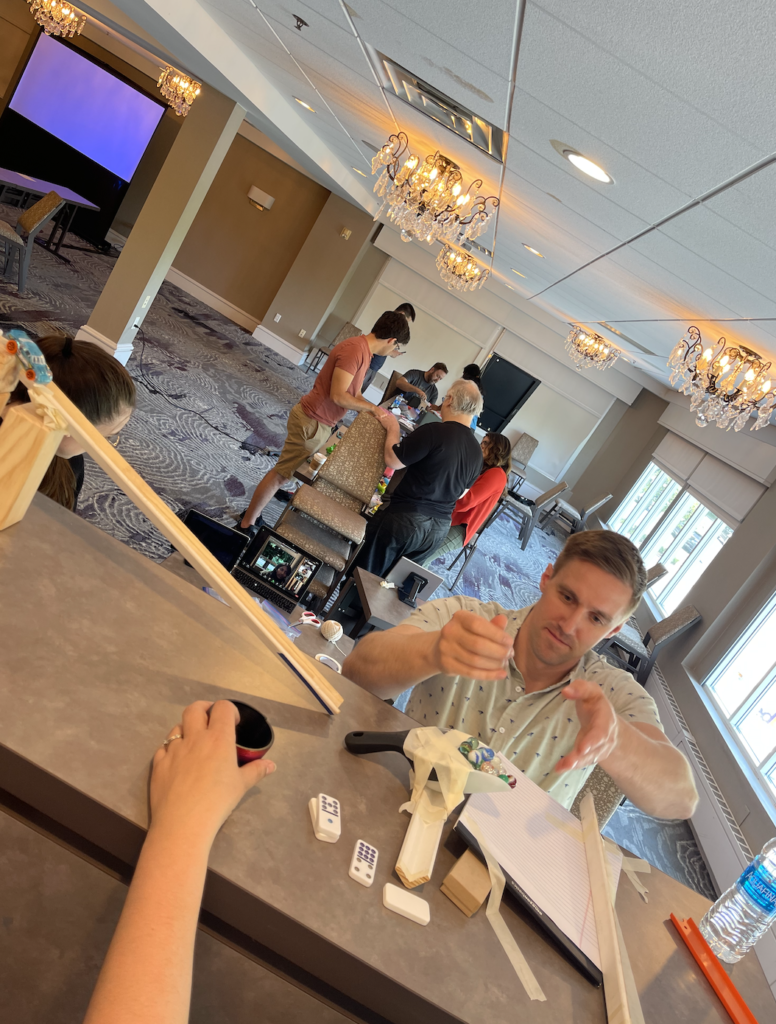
(363, 863)
(404, 903)
(326, 818)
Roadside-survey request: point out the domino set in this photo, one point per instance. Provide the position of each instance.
(327, 826)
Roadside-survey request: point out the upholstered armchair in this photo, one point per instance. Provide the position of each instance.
(325, 518)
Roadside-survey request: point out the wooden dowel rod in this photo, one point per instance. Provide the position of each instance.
(165, 520)
(617, 1009)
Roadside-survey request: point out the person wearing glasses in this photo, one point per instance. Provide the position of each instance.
(101, 388)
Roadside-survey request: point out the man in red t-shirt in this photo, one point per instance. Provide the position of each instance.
(337, 388)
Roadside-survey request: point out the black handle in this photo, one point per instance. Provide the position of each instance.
(375, 742)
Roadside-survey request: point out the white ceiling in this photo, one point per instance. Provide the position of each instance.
(673, 98)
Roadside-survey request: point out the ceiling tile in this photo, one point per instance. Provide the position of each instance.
(626, 109)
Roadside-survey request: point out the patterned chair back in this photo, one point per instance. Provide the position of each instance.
(523, 449)
(38, 213)
(357, 463)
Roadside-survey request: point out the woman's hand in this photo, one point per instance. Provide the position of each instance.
(196, 782)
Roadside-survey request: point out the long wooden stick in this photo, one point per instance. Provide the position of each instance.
(135, 487)
(615, 993)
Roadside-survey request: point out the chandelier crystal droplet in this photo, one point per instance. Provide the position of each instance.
(426, 199)
(590, 351)
(178, 89)
(727, 384)
(57, 18)
(460, 270)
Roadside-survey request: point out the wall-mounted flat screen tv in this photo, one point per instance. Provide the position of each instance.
(87, 107)
(505, 388)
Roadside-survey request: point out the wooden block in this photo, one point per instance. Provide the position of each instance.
(27, 447)
(454, 899)
(468, 883)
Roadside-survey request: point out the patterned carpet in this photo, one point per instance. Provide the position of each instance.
(209, 396)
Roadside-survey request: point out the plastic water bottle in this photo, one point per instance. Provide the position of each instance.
(746, 911)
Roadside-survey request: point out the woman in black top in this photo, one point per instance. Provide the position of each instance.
(101, 388)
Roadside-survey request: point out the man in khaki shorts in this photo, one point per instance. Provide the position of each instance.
(337, 388)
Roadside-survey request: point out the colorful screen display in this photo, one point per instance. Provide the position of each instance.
(86, 107)
(283, 566)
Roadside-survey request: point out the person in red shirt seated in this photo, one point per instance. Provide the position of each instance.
(475, 506)
(337, 388)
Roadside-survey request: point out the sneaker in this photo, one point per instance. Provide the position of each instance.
(249, 531)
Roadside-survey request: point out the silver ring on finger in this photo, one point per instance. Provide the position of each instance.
(168, 741)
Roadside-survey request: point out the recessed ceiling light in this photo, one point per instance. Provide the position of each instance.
(303, 104)
(534, 251)
(509, 286)
(582, 163)
(588, 167)
(359, 172)
(517, 272)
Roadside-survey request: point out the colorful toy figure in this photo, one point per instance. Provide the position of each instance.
(30, 357)
(482, 759)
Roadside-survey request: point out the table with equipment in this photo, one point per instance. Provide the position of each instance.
(102, 649)
(381, 607)
(37, 187)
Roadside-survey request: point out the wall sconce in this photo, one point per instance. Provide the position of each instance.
(260, 199)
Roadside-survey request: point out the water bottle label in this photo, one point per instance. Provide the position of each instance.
(760, 887)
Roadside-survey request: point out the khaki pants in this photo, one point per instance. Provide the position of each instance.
(305, 436)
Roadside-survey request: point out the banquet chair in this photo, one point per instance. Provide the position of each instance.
(640, 656)
(19, 241)
(607, 796)
(568, 518)
(325, 518)
(468, 549)
(522, 450)
(525, 513)
(657, 572)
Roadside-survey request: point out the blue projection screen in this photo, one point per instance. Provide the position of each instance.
(86, 107)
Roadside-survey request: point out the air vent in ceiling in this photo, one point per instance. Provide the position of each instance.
(434, 104)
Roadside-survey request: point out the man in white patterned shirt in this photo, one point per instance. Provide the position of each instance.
(529, 683)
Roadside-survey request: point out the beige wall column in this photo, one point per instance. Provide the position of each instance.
(316, 280)
(172, 204)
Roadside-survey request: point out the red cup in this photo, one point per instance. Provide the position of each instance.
(253, 734)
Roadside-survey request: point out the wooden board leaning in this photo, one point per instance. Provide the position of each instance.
(29, 437)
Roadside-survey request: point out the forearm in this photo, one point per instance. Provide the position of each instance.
(652, 774)
(356, 402)
(389, 662)
(146, 977)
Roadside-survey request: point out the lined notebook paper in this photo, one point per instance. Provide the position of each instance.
(539, 844)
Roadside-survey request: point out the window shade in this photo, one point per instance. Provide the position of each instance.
(731, 493)
(678, 457)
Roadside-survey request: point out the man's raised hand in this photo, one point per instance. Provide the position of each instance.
(469, 645)
(599, 726)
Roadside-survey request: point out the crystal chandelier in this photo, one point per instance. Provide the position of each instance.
(589, 350)
(460, 270)
(427, 199)
(726, 383)
(57, 18)
(178, 89)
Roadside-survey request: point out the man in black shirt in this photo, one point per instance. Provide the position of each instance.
(443, 460)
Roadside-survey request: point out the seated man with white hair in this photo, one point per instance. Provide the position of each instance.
(443, 460)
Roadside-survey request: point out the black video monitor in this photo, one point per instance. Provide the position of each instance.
(505, 389)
